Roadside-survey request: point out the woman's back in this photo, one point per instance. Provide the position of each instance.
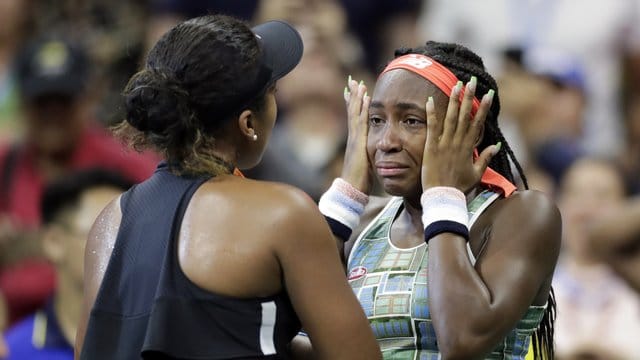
(154, 292)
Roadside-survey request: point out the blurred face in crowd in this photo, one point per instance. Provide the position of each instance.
(12, 14)
(65, 238)
(589, 189)
(54, 123)
(563, 108)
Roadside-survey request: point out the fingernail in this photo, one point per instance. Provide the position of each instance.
(496, 149)
(365, 94)
(430, 105)
(349, 80)
(490, 94)
(471, 85)
(456, 89)
(346, 91)
(361, 83)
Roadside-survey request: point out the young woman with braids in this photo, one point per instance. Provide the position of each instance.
(198, 262)
(458, 263)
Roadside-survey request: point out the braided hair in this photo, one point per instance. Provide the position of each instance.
(464, 64)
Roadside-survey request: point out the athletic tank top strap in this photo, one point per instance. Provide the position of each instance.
(118, 320)
(147, 308)
(475, 208)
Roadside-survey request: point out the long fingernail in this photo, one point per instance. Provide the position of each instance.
(471, 85)
(361, 83)
(365, 94)
(497, 148)
(456, 89)
(349, 80)
(490, 94)
(430, 105)
(346, 91)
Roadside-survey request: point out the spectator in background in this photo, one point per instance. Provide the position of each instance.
(311, 129)
(378, 26)
(69, 207)
(381, 26)
(167, 13)
(13, 20)
(3, 324)
(114, 32)
(615, 239)
(630, 158)
(61, 135)
(598, 314)
(554, 129)
(602, 35)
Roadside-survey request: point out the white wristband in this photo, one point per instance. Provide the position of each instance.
(444, 209)
(343, 203)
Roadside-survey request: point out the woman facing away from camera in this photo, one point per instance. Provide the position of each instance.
(198, 262)
(458, 263)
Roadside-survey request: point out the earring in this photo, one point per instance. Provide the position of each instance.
(255, 137)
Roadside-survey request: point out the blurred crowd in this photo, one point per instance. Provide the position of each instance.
(569, 82)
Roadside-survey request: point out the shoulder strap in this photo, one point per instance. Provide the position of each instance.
(476, 207)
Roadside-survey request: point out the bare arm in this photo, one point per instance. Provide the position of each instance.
(100, 243)
(615, 239)
(519, 259)
(474, 307)
(314, 277)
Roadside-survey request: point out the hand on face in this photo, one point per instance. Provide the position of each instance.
(356, 169)
(448, 152)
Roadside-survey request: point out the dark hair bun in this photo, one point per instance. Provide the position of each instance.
(154, 102)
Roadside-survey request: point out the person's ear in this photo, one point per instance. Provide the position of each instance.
(247, 125)
(53, 243)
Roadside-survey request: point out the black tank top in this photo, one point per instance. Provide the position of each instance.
(147, 308)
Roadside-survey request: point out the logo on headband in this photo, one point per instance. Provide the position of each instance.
(416, 61)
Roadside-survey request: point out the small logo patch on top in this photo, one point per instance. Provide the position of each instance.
(357, 272)
(417, 61)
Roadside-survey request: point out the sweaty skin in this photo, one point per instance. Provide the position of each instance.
(243, 238)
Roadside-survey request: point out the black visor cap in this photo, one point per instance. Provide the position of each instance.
(281, 45)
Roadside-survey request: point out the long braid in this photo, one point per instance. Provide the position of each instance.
(464, 64)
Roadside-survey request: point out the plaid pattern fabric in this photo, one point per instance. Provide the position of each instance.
(391, 284)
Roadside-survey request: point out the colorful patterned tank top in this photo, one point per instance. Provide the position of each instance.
(391, 284)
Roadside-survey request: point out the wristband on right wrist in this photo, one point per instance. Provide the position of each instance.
(444, 209)
(342, 205)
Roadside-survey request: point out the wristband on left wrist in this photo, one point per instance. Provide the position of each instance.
(444, 209)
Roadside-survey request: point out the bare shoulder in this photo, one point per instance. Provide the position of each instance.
(101, 240)
(267, 203)
(291, 202)
(100, 243)
(536, 207)
(531, 218)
